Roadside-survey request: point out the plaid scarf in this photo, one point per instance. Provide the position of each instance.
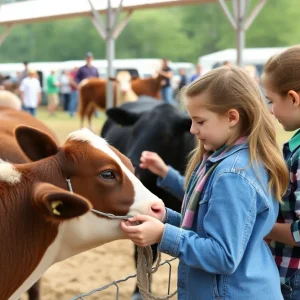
(197, 182)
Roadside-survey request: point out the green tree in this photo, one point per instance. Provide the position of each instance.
(209, 30)
(154, 33)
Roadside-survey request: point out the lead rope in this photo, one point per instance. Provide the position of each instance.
(144, 262)
(145, 271)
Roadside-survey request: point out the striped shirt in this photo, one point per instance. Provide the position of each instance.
(287, 257)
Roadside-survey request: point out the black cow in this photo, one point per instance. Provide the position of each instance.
(153, 126)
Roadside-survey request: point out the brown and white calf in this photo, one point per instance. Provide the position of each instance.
(42, 223)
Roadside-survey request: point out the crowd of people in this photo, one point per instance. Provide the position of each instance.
(62, 88)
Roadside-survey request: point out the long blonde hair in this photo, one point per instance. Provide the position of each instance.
(232, 88)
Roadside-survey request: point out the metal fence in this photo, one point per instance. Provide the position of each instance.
(116, 283)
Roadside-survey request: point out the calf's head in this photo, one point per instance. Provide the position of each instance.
(51, 223)
(101, 177)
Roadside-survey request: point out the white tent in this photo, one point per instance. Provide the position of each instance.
(251, 56)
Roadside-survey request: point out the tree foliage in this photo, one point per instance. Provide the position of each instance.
(179, 33)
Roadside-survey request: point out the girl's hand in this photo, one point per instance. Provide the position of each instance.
(147, 233)
(154, 163)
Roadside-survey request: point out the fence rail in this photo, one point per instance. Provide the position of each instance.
(115, 283)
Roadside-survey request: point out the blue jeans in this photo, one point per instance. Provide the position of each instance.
(167, 94)
(291, 290)
(30, 110)
(73, 103)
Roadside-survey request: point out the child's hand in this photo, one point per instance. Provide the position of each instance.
(153, 162)
(147, 233)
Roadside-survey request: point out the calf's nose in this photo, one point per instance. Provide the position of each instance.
(158, 210)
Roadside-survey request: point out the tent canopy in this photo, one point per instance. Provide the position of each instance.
(43, 10)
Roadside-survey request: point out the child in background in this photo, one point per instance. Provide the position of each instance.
(281, 82)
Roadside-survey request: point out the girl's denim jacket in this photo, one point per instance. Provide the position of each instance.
(224, 256)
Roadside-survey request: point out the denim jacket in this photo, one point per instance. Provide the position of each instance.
(224, 256)
(173, 183)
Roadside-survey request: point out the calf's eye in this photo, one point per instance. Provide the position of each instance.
(107, 175)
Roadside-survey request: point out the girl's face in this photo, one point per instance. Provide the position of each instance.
(213, 130)
(284, 108)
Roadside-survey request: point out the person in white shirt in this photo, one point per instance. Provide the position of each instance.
(65, 89)
(30, 89)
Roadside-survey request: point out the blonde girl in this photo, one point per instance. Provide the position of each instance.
(235, 180)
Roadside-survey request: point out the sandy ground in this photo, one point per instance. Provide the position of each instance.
(98, 267)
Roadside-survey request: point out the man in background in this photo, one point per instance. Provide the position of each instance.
(88, 70)
(30, 89)
(166, 88)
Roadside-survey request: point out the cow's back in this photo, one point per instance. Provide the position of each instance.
(147, 86)
(92, 91)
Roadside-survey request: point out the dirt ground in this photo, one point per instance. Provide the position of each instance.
(98, 267)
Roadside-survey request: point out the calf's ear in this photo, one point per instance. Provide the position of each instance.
(57, 204)
(122, 117)
(35, 144)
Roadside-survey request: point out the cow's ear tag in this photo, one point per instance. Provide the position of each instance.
(54, 205)
(58, 204)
